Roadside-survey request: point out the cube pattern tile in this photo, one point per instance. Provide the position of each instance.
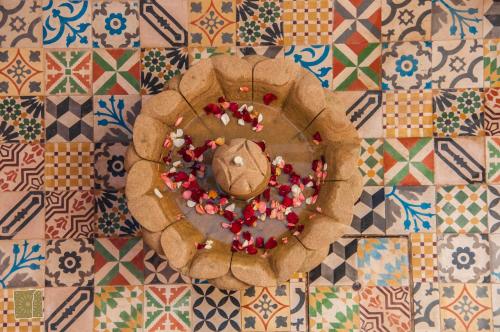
(421, 83)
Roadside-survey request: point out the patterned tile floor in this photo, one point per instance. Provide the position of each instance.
(423, 81)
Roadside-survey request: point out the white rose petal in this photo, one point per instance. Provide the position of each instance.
(241, 122)
(225, 119)
(190, 203)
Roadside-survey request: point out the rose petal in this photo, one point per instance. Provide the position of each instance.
(269, 98)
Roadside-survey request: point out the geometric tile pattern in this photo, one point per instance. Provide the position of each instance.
(68, 166)
(116, 71)
(167, 308)
(307, 22)
(384, 308)
(24, 27)
(79, 299)
(118, 308)
(259, 23)
(317, 59)
(356, 21)
(492, 63)
(371, 161)
(424, 257)
(21, 72)
(69, 119)
(119, 261)
(21, 215)
(333, 309)
(212, 23)
(68, 72)
(20, 121)
(493, 159)
(369, 212)
(408, 161)
(21, 167)
(426, 307)
(458, 112)
(446, 24)
(465, 307)
(408, 113)
(156, 15)
(462, 209)
(266, 309)
(491, 111)
(339, 267)
(406, 20)
(27, 304)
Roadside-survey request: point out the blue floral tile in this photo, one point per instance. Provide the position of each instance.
(406, 65)
(457, 19)
(113, 218)
(410, 209)
(215, 309)
(66, 23)
(22, 263)
(115, 24)
(114, 117)
(317, 59)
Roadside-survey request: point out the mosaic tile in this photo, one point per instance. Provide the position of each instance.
(114, 117)
(406, 20)
(119, 261)
(339, 267)
(457, 19)
(491, 29)
(66, 23)
(495, 257)
(493, 208)
(465, 307)
(492, 63)
(215, 309)
(157, 270)
(383, 261)
(365, 111)
(69, 119)
(424, 257)
(307, 22)
(118, 308)
(298, 306)
(116, 71)
(333, 309)
(317, 59)
(371, 161)
(167, 308)
(426, 307)
(68, 72)
(21, 72)
(356, 66)
(491, 111)
(59, 318)
(407, 113)
(21, 310)
(356, 21)
(385, 309)
(457, 64)
(69, 263)
(22, 263)
(156, 15)
(110, 165)
(24, 27)
(459, 160)
(406, 65)
(410, 209)
(259, 23)
(115, 24)
(158, 65)
(21, 167)
(493, 159)
(212, 23)
(408, 161)
(464, 258)
(199, 53)
(68, 166)
(267, 51)
(458, 112)
(369, 212)
(21, 215)
(462, 209)
(113, 218)
(69, 214)
(19, 121)
(265, 308)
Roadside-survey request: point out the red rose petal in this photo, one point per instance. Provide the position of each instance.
(317, 137)
(235, 227)
(284, 190)
(251, 250)
(247, 236)
(271, 243)
(287, 169)
(229, 215)
(248, 212)
(259, 242)
(269, 98)
(287, 201)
